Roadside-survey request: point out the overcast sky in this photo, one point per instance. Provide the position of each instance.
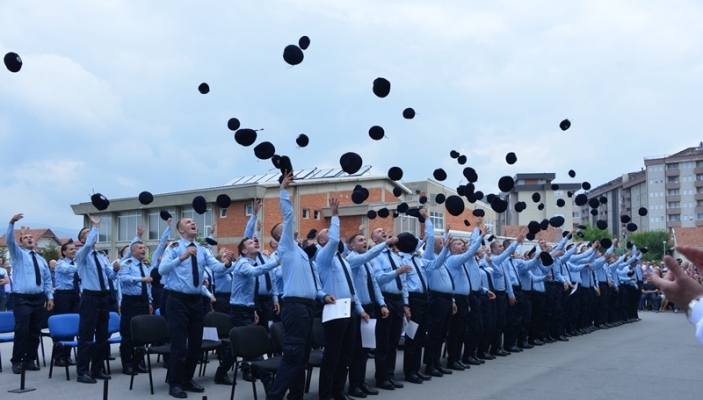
(107, 98)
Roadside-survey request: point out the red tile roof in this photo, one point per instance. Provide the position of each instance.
(689, 237)
(36, 233)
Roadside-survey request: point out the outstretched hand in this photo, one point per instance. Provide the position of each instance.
(676, 284)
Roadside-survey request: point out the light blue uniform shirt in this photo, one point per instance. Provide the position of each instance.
(439, 279)
(264, 290)
(464, 268)
(88, 271)
(299, 277)
(180, 274)
(533, 280)
(244, 274)
(64, 272)
(364, 270)
(23, 275)
(130, 278)
(386, 276)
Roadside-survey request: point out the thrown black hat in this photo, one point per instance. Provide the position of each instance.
(557, 221)
(467, 223)
(631, 227)
(586, 186)
(408, 113)
(165, 215)
(357, 197)
(383, 213)
(145, 198)
(204, 88)
(407, 243)
(546, 258)
(461, 190)
(555, 186)
(490, 238)
(423, 199)
(624, 219)
(569, 193)
(396, 214)
(371, 214)
(594, 203)
(642, 211)
(544, 225)
(439, 174)
(606, 243)
(13, 62)
(511, 158)
(536, 197)
(376, 132)
(302, 140)
(602, 225)
(264, 150)
(381, 87)
(199, 205)
(479, 195)
(470, 174)
(403, 207)
(293, 54)
(245, 137)
(350, 163)
(471, 197)
(506, 183)
(211, 241)
(534, 227)
(440, 198)
(564, 234)
(520, 206)
(629, 244)
(304, 42)
(223, 201)
(499, 205)
(603, 200)
(530, 236)
(540, 206)
(99, 201)
(233, 124)
(478, 212)
(454, 154)
(454, 205)
(580, 234)
(581, 199)
(311, 234)
(565, 124)
(395, 173)
(461, 160)
(490, 197)
(415, 212)
(561, 203)
(284, 164)
(397, 192)
(594, 212)
(572, 173)
(644, 250)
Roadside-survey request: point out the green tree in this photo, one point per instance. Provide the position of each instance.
(592, 233)
(653, 241)
(51, 252)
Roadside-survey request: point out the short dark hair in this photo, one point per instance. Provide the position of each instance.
(274, 228)
(494, 244)
(353, 237)
(506, 243)
(242, 245)
(65, 246)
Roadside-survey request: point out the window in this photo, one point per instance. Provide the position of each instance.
(672, 179)
(408, 224)
(674, 217)
(699, 164)
(249, 210)
(317, 214)
(157, 226)
(699, 216)
(699, 177)
(490, 224)
(673, 204)
(127, 223)
(699, 203)
(105, 229)
(576, 214)
(306, 213)
(223, 213)
(699, 190)
(202, 221)
(437, 219)
(672, 166)
(651, 181)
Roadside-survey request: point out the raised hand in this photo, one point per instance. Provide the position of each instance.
(94, 221)
(258, 204)
(676, 284)
(287, 179)
(334, 205)
(16, 218)
(140, 231)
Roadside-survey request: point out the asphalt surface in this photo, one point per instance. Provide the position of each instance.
(656, 358)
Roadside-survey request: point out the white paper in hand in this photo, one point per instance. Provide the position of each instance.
(340, 309)
(576, 286)
(411, 330)
(368, 334)
(210, 333)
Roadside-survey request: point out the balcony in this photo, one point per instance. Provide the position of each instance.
(675, 185)
(672, 172)
(699, 222)
(698, 183)
(699, 209)
(673, 224)
(673, 197)
(673, 211)
(698, 170)
(699, 196)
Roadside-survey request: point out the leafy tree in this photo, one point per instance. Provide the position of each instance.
(592, 233)
(51, 252)
(653, 241)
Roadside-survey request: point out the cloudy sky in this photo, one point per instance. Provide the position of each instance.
(107, 98)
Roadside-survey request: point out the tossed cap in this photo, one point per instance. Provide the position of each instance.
(13, 62)
(440, 198)
(408, 113)
(376, 132)
(511, 158)
(565, 124)
(395, 173)
(223, 201)
(454, 205)
(245, 137)
(439, 174)
(204, 88)
(264, 150)
(233, 124)
(506, 183)
(302, 140)
(602, 225)
(350, 162)
(381, 87)
(99, 201)
(304, 42)
(145, 198)
(293, 55)
(199, 205)
(165, 215)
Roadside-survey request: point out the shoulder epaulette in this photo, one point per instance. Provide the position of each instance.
(174, 244)
(129, 261)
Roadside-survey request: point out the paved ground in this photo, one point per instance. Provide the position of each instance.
(657, 358)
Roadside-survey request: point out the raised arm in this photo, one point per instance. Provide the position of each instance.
(287, 242)
(428, 253)
(250, 229)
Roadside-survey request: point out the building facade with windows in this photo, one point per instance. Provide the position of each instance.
(310, 195)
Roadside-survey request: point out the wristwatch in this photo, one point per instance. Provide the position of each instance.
(691, 305)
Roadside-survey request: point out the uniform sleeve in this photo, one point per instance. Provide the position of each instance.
(83, 252)
(48, 284)
(287, 242)
(12, 245)
(250, 228)
(428, 254)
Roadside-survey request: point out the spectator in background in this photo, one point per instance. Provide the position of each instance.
(651, 293)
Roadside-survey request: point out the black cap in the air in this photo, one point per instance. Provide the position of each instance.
(603, 200)
(606, 243)
(423, 199)
(594, 212)
(536, 197)
(381, 87)
(565, 124)
(371, 214)
(302, 140)
(454, 205)
(407, 243)
(233, 124)
(581, 199)
(555, 186)
(439, 174)
(350, 163)
(631, 227)
(408, 113)
(13, 62)
(440, 198)
(304, 42)
(461, 160)
(624, 219)
(99, 201)
(293, 55)
(199, 205)
(572, 173)
(204, 88)
(395, 173)
(403, 207)
(602, 225)
(145, 198)
(561, 203)
(211, 241)
(478, 213)
(506, 183)
(642, 211)
(397, 192)
(245, 137)
(312, 233)
(383, 213)
(264, 150)
(594, 203)
(470, 174)
(540, 206)
(511, 158)
(557, 221)
(223, 201)
(467, 223)
(376, 132)
(165, 215)
(586, 186)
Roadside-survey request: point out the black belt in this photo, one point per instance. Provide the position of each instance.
(501, 292)
(475, 293)
(517, 288)
(299, 300)
(264, 297)
(96, 292)
(416, 295)
(573, 283)
(241, 308)
(134, 297)
(65, 291)
(554, 283)
(27, 296)
(461, 297)
(442, 295)
(392, 296)
(223, 294)
(185, 296)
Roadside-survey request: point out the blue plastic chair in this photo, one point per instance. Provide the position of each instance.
(113, 326)
(157, 311)
(61, 327)
(7, 325)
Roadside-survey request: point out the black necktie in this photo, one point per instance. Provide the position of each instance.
(419, 273)
(517, 276)
(488, 278)
(505, 277)
(394, 267)
(466, 271)
(346, 275)
(76, 280)
(369, 283)
(266, 275)
(145, 294)
(450, 278)
(194, 266)
(312, 271)
(99, 270)
(37, 274)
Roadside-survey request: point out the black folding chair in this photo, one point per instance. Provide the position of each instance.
(315, 359)
(147, 331)
(249, 342)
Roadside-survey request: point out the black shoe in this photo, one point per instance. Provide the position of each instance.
(341, 396)
(456, 366)
(129, 371)
(423, 376)
(396, 384)
(471, 361)
(485, 356)
(111, 358)
(142, 369)
(85, 378)
(31, 366)
(223, 379)
(525, 345)
(432, 371)
(562, 338)
(412, 378)
(385, 385)
(191, 386)
(536, 342)
(500, 353)
(100, 374)
(60, 362)
(514, 349)
(357, 392)
(16, 368)
(548, 339)
(366, 389)
(177, 392)
(443, 370)
(246, 375)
